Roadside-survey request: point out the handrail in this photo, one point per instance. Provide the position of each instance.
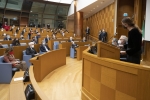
(93, 38)
(39, 92)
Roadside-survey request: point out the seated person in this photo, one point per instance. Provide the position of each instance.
(16, 42)
(31, 51)
(44, 47)
(122, 45)
(22, 37)
(54, 37)
(84, 39)
(93, 49)
(7, 37)
(23, 31)
(34, 40)
(70, 40)
(17, 30)
(114, 42)
(9, 58)
(47, 39)
(1, 45)
(2, 29)
(122, 42)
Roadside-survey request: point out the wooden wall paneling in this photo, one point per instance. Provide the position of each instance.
(101, 20)
(124, 6)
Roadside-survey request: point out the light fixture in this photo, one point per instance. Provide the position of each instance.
(30, 11)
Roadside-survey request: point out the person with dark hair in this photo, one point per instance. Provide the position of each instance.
(16, 42)
(44, 47)
(87, 32)
(7, 37)
(9, 58)
(1, 45)
(134, 41)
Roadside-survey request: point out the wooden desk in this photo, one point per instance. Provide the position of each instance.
(108, 79)
(80, 49)
(48, 62)
(17, 88)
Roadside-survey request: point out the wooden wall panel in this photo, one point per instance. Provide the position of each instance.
(124, 6)
(24, 21)
(104, 19)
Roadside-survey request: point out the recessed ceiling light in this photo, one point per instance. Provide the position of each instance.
(97, 6)
(30, 11)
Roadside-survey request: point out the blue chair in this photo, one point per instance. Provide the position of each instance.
(72, 52)
(5, 45)
(23, 44)
(10, 45)
(26, 58)
(56, 44)
(6, 71)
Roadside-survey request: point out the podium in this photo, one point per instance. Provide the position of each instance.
(47, 62)
(108, 51)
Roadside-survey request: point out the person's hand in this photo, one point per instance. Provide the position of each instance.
(123, 52)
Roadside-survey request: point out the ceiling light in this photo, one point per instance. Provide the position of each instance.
(93, 8)
(30, 11)
(97, 6)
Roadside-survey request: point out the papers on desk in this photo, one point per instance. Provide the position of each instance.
(18, 79)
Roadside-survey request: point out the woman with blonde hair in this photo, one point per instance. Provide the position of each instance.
(134, 41)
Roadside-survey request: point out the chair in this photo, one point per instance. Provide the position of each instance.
(72, 52)
(6, 71)
(56, 44)
(5, 45)
(26, 58)
(23, 44)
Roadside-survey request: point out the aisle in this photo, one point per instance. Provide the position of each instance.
(65, 82)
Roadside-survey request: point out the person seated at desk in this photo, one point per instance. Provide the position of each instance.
(121, 42)
(84, 39)
(34, 40)
(7, 37)
(1, 45)
(47, 39)
(93, 49)
(54, 37)
(44, 47)
(31, 51)
(23, 31)
(70, 40)
(9, 58)
(22, 37)
(17, 30)
(2, 29)
(16, 42)
(74, 46)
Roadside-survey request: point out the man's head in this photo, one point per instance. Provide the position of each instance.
(31, 44)
(122, 40)
(47, 36)
(70, 38)
(84, 38)
(0, 44)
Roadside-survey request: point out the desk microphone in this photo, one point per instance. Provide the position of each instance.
(111, 37)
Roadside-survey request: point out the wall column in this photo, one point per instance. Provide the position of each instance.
(78, 21)
(79, 24)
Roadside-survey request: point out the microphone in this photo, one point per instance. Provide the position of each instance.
(111, 37)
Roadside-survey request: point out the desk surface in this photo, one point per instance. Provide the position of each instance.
(16, 89)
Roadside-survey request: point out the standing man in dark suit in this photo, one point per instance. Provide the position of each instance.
(31, 51)
(44, 48)
(87, 32)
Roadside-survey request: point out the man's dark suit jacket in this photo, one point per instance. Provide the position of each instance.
(1, 46)
(46, 40)
(30, 51)
(70, 40)
(5, 38)
(87, 31)
(42, 48)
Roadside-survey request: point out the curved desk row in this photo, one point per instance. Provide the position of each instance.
(108, 79)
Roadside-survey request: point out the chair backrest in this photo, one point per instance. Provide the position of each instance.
(1, 59)
(5, 45)
(24, 52)
(23, 44)
(56, 42)
(10, 45)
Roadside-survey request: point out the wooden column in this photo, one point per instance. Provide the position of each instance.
(79, 24)
(78, 21)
